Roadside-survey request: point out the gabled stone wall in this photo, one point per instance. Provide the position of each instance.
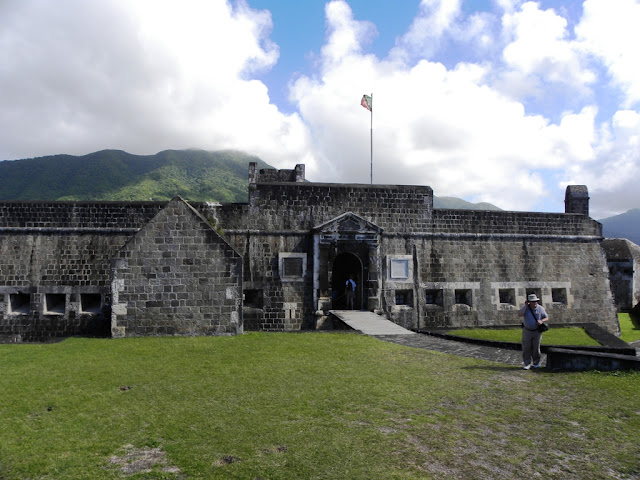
(176, 276)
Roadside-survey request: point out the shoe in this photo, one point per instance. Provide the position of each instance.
(526, 367)
(537, 365)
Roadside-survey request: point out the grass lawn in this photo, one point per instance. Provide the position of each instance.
(630, 331)
(304, 406)
(554, 336)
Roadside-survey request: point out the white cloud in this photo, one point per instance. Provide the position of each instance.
(610, 31)
(508, 5)
(540, 52)
(141, 76)
(433, 21)
(448, 128)
(612, 176)
(345, 34)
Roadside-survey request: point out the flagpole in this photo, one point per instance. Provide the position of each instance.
(371, 131)
(367, 102)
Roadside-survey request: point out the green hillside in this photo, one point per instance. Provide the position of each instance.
(625, 225)
(196, 175)
(459, 204)
(116, 175)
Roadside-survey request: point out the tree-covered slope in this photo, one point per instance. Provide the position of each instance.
(625, 225)
(116, 175)
(196, 175)
(459, 204)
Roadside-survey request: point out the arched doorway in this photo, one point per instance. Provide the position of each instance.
(346, 264)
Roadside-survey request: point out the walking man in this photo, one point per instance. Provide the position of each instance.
(534, 316)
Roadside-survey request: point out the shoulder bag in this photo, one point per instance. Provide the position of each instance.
(543, 327)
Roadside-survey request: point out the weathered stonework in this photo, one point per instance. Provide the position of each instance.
(148, 268)
(176, 276)
(115, 269)
(623, 256)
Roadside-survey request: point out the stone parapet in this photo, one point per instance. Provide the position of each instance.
(77, 215)
(303, 206)
(490, 222)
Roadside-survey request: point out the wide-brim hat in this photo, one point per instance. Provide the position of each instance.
(533, 298)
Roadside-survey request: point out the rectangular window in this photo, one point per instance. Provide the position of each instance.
(559, 295)
(433, 297)
(463, 297)
(292, 267)
(399, 269)
(90, 303)
(507, 296)
(20, 303)
(404, 297)
(253, 298)
(55, 303)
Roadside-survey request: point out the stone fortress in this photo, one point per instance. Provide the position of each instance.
(280, 262)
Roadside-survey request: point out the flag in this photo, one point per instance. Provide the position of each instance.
(367, 102)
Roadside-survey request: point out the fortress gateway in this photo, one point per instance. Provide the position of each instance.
(280, 262)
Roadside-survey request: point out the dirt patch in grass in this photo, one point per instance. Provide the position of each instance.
(132, 461)
(276, 449)
(226, 460)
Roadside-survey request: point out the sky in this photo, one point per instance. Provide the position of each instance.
(500, 101)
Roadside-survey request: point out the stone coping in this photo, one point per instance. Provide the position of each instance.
(562, 359)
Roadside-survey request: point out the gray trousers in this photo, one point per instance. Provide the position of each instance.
(351, 295)
(531, 346)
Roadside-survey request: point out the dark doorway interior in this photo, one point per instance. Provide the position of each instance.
(344, 265)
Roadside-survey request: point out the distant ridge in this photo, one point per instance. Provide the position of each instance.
(115, 175)
(625, 225)
(459, 204)
(196, 175)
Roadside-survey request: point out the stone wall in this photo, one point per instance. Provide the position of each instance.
(274, 301)
(303, 206)
(468, 282)
(151, 268)
(470, 222)
(115, 216)
(622, 258)
(56, 284)
(176, 276)
(469, 268)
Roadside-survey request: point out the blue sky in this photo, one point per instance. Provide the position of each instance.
(503, 101)
(299, 30)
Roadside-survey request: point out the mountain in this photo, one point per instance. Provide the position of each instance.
(459, 204)
(196, 175)
(625, 225)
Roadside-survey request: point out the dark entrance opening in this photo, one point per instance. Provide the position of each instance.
(344, 265)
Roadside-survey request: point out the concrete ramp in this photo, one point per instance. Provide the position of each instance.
(369, 323)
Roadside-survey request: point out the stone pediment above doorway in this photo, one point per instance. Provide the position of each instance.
(347, 226)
